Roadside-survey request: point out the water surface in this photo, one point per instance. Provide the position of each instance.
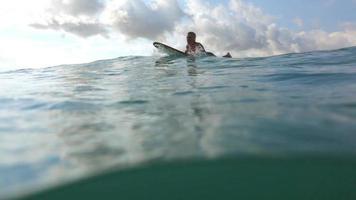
(69, 122)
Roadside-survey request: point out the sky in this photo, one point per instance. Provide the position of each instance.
(53, 32)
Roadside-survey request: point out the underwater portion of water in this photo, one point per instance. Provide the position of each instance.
(67, 122)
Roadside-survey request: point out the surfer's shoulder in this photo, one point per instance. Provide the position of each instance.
(200, 45)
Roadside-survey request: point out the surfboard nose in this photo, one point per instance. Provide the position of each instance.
(156, 44)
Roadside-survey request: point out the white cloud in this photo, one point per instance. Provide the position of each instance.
(137, 19)
(238, 27)
(80, 17)
(77, 7)
(19, 12)
(83, 29)
(245, 30)
(132, 18)
(349, 26)
(298, 21)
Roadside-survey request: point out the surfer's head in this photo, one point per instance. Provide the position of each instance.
(191, 38)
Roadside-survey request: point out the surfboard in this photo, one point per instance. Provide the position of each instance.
(168, 50)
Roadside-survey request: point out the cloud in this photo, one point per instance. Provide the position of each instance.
(321, 40)
(132, 18)
(137, 19)
(298, 21)
(350, 26)
(77, 7)
(239, 27)
(83, 29)
(79, 17)
(245, 30)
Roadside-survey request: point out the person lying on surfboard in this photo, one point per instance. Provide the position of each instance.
(194, 48)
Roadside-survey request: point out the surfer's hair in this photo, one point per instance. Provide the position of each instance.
(193, 34)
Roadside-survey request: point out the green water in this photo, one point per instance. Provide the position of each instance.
(244, 178)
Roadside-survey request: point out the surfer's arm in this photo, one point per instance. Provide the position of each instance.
(186, 49)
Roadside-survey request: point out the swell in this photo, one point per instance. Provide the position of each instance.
(344, 56)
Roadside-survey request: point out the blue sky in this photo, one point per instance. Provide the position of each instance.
(324, 14)
(46, 32)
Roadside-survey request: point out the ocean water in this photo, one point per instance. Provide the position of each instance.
(295, 114)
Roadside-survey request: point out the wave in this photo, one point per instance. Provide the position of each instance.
(344, 56)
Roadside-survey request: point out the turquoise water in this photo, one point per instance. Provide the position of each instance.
(65, 123)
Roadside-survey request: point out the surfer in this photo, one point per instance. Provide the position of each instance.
(194, 48)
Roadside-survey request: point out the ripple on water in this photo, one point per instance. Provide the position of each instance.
(131, 110)
(74, 106)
